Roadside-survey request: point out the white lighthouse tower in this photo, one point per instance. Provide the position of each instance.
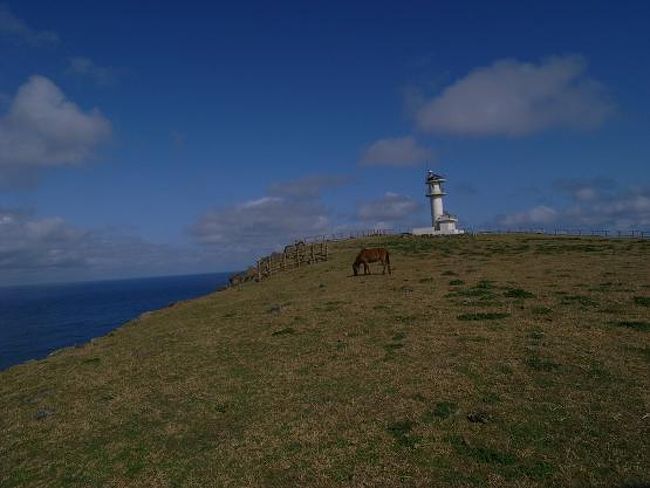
(441, 222)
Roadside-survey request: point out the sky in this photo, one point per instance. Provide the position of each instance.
(151, 138)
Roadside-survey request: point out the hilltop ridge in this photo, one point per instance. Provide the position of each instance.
(515, 360)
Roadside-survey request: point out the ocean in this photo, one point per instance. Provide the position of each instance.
(36, 320)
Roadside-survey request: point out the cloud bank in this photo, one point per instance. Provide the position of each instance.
(396, 151)
(591, 206)
(513, 98)
(42, 128)
(15, 29)
(39, 249)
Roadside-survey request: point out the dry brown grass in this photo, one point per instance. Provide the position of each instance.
(316, 378)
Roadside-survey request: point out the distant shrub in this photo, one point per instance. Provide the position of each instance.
(456, 282)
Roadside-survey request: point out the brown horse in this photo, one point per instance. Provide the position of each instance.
(372, 255)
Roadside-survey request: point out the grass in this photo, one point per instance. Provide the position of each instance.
(316, 378)
(483, 316)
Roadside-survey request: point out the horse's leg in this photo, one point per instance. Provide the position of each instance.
(366, 268)
(383, 269)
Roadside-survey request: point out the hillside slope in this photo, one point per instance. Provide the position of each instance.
(317, 378)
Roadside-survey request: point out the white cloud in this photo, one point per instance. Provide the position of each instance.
(396, 151)
(260, 226)
(291, 210)
(513, 98)
(590, 207)
(17, 30)
(389, 211)
(86, 67)
(42, 128)
(540, 215)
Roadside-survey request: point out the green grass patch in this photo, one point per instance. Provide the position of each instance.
(401, 432)
(633, 324)
(285, 331)
(442, 410)
(482, 454)
(518, 293)
(540, 310)
(643, 301)
(578, 299)
(456, 282)
(485, 284)
(541, 364)
(483, 316)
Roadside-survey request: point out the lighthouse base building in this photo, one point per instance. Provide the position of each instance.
(442, 223)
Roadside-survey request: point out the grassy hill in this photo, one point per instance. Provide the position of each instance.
(485, 361)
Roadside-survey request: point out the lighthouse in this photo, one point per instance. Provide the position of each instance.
(434, 194)
(441, 222)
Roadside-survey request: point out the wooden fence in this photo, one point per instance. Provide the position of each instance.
(296, 255)
(571, 232)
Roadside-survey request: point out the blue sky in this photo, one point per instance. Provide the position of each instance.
(186, 137)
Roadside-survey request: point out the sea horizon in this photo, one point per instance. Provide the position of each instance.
(37, 319)
(104, 280)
